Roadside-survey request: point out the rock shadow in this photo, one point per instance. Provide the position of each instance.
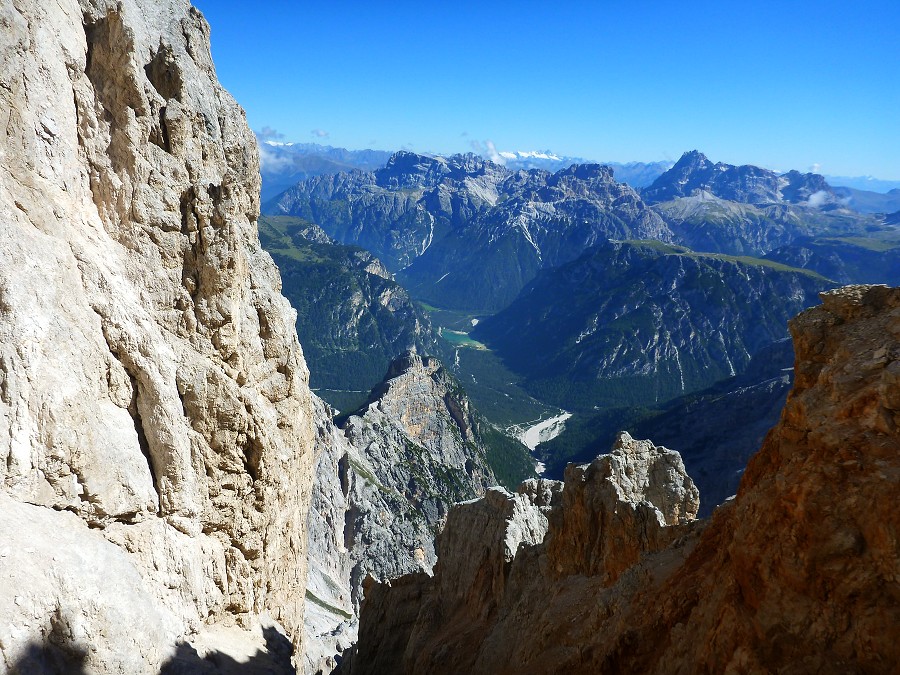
(55, 655)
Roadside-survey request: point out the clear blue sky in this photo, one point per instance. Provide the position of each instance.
(787, 84)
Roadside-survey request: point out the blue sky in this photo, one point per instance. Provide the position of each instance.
(789, 84)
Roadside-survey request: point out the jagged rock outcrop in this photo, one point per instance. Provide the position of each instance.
(466, 233)
(503, 552)
(797, 574)
(151, 384)
(384, 485)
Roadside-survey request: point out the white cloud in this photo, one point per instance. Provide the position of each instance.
(319, 133)
(273, 161)
(269, 134)
(488, 150)
(817, 199)
(815, 168)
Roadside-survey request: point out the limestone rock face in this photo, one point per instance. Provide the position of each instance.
(151, 382)
(798, 574)
(630, 496)
(384, 486)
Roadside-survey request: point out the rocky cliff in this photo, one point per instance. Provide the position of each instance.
(797, 574)
(156, 420)
(501, 556)
(384, 485)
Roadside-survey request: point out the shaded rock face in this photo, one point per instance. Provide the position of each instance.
(797, 574)
(384, 485)
(151, 382)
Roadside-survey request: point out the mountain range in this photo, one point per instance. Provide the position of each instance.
(283, 164)
(635, 174)
(176, 499)
(595, 295)
(464, 233)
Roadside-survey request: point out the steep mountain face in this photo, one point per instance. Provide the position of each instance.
(543, 220)
(384, 485)
(642, 322)
(353, 319)
(383, 210)
(465, 233)
(846, 260)
(798, 573)
(157, 428)
(745, 184)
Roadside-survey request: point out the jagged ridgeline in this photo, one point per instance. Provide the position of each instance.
(464, 233)
(507, 458)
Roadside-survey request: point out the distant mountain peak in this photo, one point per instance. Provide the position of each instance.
(588, 171)
(747, 183)
(692, 157)
(531, 154)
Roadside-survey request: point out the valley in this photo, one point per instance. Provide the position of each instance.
(273, 406)
(570, 308)
(546, 291)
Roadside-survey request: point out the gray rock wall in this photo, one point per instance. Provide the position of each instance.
(384, 486)
(151, 382)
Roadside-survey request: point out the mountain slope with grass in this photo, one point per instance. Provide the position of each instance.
(638, 323)
(353, 319)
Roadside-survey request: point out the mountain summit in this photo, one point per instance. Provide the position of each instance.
(746, 184)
